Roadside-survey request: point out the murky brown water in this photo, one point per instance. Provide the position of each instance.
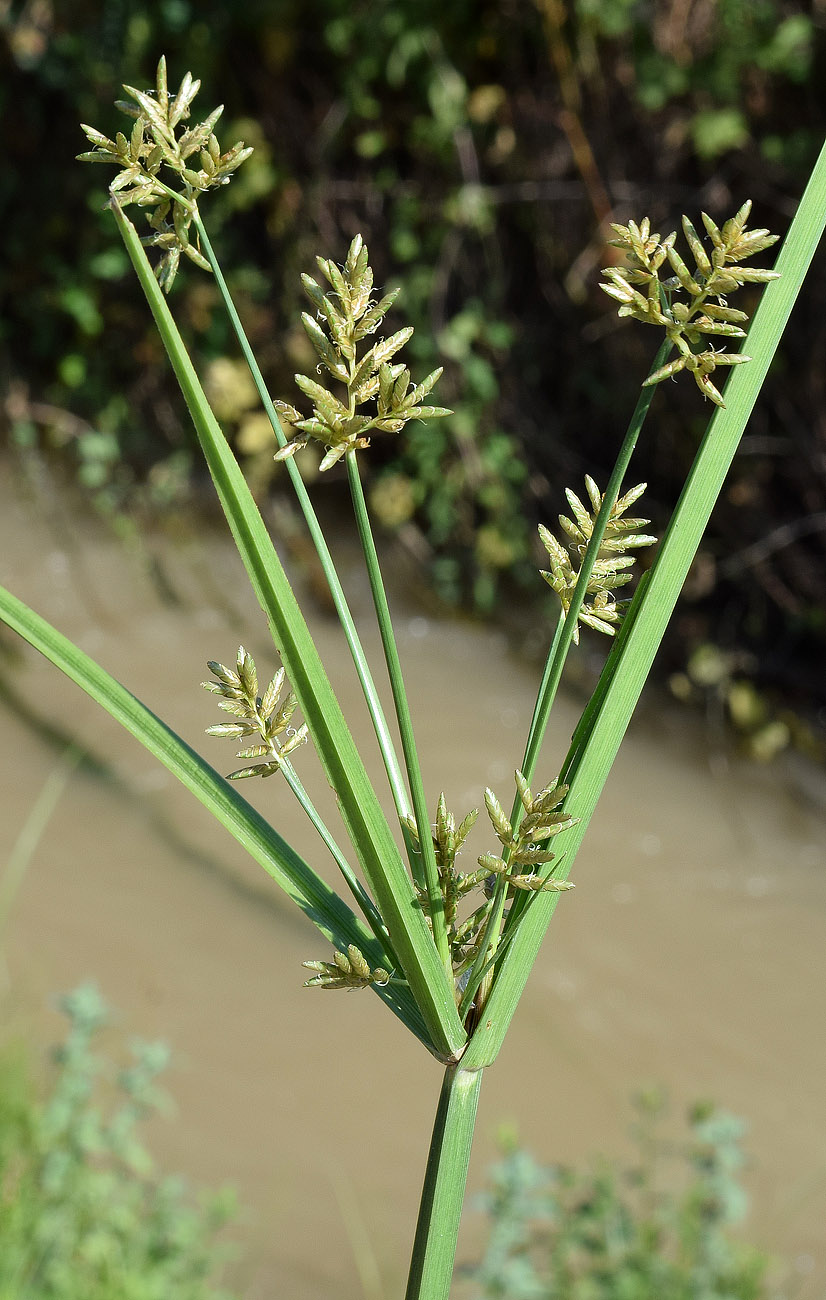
(692, 953)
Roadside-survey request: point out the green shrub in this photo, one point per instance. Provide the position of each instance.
(83, 1216)
(657, 1230)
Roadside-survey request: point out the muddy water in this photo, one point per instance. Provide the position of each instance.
(692, 953)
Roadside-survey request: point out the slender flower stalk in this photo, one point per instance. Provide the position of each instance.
(268, 719)
(435, 901)
(566, 633)
(566, 628)
(377, 397)
(374, 706)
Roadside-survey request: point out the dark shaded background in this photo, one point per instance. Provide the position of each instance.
(481, 148)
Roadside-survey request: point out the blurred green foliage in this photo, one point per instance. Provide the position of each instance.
(83, 1216)
(659, 1230)
(480, 147)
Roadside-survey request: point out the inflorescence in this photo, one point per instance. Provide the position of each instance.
(378, 392)
(600, 609)
(159, 150)
(704, 312)
(524, 854)
(262, 715)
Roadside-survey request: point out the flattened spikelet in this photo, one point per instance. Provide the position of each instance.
(261, 716)
(154, 159)
(599, 610)
(703, 309)
(377, 392)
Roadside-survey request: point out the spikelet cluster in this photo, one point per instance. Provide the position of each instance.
(525, 853)
(347, 970)
(377, 389)
(691, 306)
(600, 609)
(166, 166)
(526, 849)
(454, 884)
(263, 716)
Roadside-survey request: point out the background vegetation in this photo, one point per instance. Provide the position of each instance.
(481, 148)
(660, 1227)
(83, 1213)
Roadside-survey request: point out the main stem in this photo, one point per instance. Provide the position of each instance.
(443, 1194)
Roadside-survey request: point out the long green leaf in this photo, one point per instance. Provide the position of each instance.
(371, 696)
(659, 598)
(319, 903)
(366, 824)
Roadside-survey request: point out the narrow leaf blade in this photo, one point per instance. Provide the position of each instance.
(366, 824)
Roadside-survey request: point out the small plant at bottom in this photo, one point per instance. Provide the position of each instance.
(658, 1230)
(83, 1215)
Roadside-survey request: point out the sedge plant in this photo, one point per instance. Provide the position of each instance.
(446, 945)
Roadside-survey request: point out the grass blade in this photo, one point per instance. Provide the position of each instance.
(319, 903)
(667, 576)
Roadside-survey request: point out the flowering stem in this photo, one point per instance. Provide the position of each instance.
(411, 758)
(388, 753)
(565, 629)
(590, 713)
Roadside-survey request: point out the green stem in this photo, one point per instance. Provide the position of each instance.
(482, 966)
(564, 634)
(368, 908)
(437, 1229)
(586, 722)
(411, 758)
(541, 709)
(383, 736)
